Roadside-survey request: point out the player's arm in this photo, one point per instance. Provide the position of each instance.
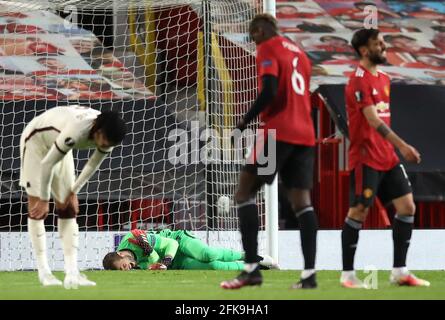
(169, 247)
(63, 144)
(267, 94)
(268, 72)
(90, 167)
(407, 151)
(54, 155)
(41, 207)
(155, 263)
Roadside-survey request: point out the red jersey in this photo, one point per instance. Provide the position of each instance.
(367, 145)
(290, 111)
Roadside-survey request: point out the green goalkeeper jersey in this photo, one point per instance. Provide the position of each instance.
(178, 235)
(162, 246)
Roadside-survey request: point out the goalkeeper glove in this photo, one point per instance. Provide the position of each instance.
(167, 261)
(157, 266)
(140, 239)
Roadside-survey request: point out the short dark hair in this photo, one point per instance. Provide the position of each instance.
(361, 38)
(263, 19)
(109, 260)
(112, 126)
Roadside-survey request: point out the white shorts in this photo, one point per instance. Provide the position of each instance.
(31, 155)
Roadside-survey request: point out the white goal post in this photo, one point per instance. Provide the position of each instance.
(177, 70)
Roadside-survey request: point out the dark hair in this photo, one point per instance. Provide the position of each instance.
(361, 38)
(109, 260)
(263, 19)
(112, 126)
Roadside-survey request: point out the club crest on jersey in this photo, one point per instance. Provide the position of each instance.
(367, 193)
(358, 96)
(382, 107)
(266, 63)
(69, 142)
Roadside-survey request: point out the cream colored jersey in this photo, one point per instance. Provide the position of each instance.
(52, 136)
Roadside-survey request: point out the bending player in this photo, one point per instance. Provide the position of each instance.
(375, 167)
(284, 107)
(174, 250)
(47, 166)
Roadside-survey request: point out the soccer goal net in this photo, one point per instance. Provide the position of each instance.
(181, 72)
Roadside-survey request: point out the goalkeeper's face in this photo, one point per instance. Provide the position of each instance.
(125, 263)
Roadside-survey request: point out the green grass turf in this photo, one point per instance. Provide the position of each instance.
(204, 285)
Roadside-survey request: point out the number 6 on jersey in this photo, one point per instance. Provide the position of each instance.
(297, 79)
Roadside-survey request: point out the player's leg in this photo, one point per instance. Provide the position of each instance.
(364, 182)
(245, 198)
(188, 263)
(297, 176)
(195, 248)
(198, 250)
(37, 234)
(68, 228)
(31, 156)
(252, 177)
(396, 187)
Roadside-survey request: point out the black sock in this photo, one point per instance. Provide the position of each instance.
(401, 235)
(308, 233)
(248, 222)
(349, 240)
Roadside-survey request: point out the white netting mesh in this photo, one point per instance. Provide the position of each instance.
(173, 68)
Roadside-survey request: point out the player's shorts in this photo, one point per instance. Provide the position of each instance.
(294, 163)
(31, 155)
(366, 183)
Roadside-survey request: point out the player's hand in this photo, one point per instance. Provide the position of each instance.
(241, 125)
(40, 210)
(410, 153)
(157, 266)
(72, 201)
(140, 239)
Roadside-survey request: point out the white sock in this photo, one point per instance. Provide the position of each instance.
(69, 235)
(403, 271)
(249, 267)
(37, 234)
(347, 274)
(307, 273)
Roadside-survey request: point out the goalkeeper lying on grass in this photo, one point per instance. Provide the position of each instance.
(169, 249)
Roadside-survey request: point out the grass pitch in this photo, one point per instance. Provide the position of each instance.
(204, 285)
